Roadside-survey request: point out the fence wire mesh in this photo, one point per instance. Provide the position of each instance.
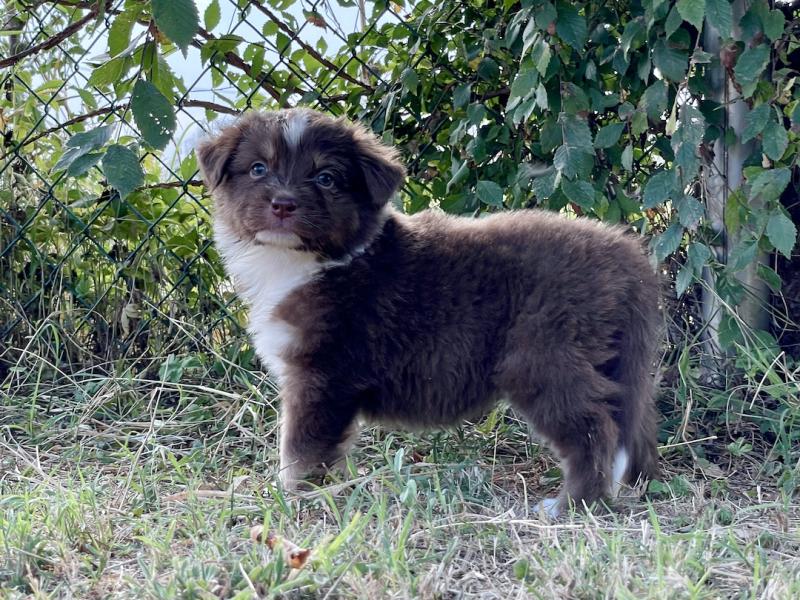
(476, 95)
(97, 275)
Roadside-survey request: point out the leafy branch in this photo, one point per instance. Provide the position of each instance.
(53, 40)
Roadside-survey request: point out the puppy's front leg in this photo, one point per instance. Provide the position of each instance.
(315, 433)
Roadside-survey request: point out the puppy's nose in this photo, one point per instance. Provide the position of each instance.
(283, 207)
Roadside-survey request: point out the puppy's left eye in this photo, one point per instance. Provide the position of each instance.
(257, 170)
(324, 180)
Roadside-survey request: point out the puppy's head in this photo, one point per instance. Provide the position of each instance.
(299, 179)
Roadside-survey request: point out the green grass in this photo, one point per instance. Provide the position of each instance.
(144, 488)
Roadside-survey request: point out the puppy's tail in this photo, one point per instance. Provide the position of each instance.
(638, 420)
(643, 457)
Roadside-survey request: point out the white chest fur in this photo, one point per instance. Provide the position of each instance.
(264, 275)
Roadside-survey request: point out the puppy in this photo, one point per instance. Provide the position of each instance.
(423, 320)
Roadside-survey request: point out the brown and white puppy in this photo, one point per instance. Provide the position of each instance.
(421, 321)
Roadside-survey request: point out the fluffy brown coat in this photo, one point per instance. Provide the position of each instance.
(423, 320)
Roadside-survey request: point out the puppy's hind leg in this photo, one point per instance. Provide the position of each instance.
(585, 438)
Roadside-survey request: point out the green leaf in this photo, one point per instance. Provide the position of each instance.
(88, 98)
(522, 87)
(627, 158)
(66, 159)
(749, 67)
(769, 184)
(550, 136)
(409, 79)
(734, 212)
(573, 99)
(688, 162)
(489, 193)
(633, 36)
(541, 56)
(774, 141)
(755, 121)
(774, 22)
(212, 15)
(700, 57)
(685, 141)
(698, 254)
(575, 131)
(530, 35)
(90, 140)
(654, 100)
(459, 171)
(728, 332)
(461, 95)
(488, 69)
(692, 11)
(742, 255)
(83, 163)
(571, 26)
(690, 211)
(172, 368)
(579, 192)
(660, 188)
(577, 153)
(770, 277)
(122, 169)
(671, 62)
(541, 97)
(475, 113)
(667, 242)
(544, 186)
(458, 131)
(119, 34)
(222, 45)
(626, 111)
(683, 280)
(521, 569)
(673, 22)
(81, 144)
(153, 113)
(544, 14)
(176, 19)
(108, 73)
(720, 16)
(782, 233)
(523, 111)
(409, 494)
(608, 135)
(528, 170)
(282, 42)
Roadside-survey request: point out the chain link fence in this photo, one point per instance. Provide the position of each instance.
(475, 95)
(95, 276)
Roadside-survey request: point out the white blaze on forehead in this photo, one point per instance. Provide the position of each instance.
(294, 127)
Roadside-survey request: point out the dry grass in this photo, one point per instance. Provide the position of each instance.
(136, 487)
(142, 478)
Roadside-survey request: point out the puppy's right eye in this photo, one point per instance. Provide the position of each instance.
(258, 170)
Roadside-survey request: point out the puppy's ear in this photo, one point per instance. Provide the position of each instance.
(381, 165)
(214, 155)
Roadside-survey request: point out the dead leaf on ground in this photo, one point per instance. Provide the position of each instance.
(709, 469)
(295, 556)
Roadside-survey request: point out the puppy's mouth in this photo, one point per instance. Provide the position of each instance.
(280, 237)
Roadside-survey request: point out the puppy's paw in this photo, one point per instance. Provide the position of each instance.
(551, 507)
(297, 478)
(290, 479)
